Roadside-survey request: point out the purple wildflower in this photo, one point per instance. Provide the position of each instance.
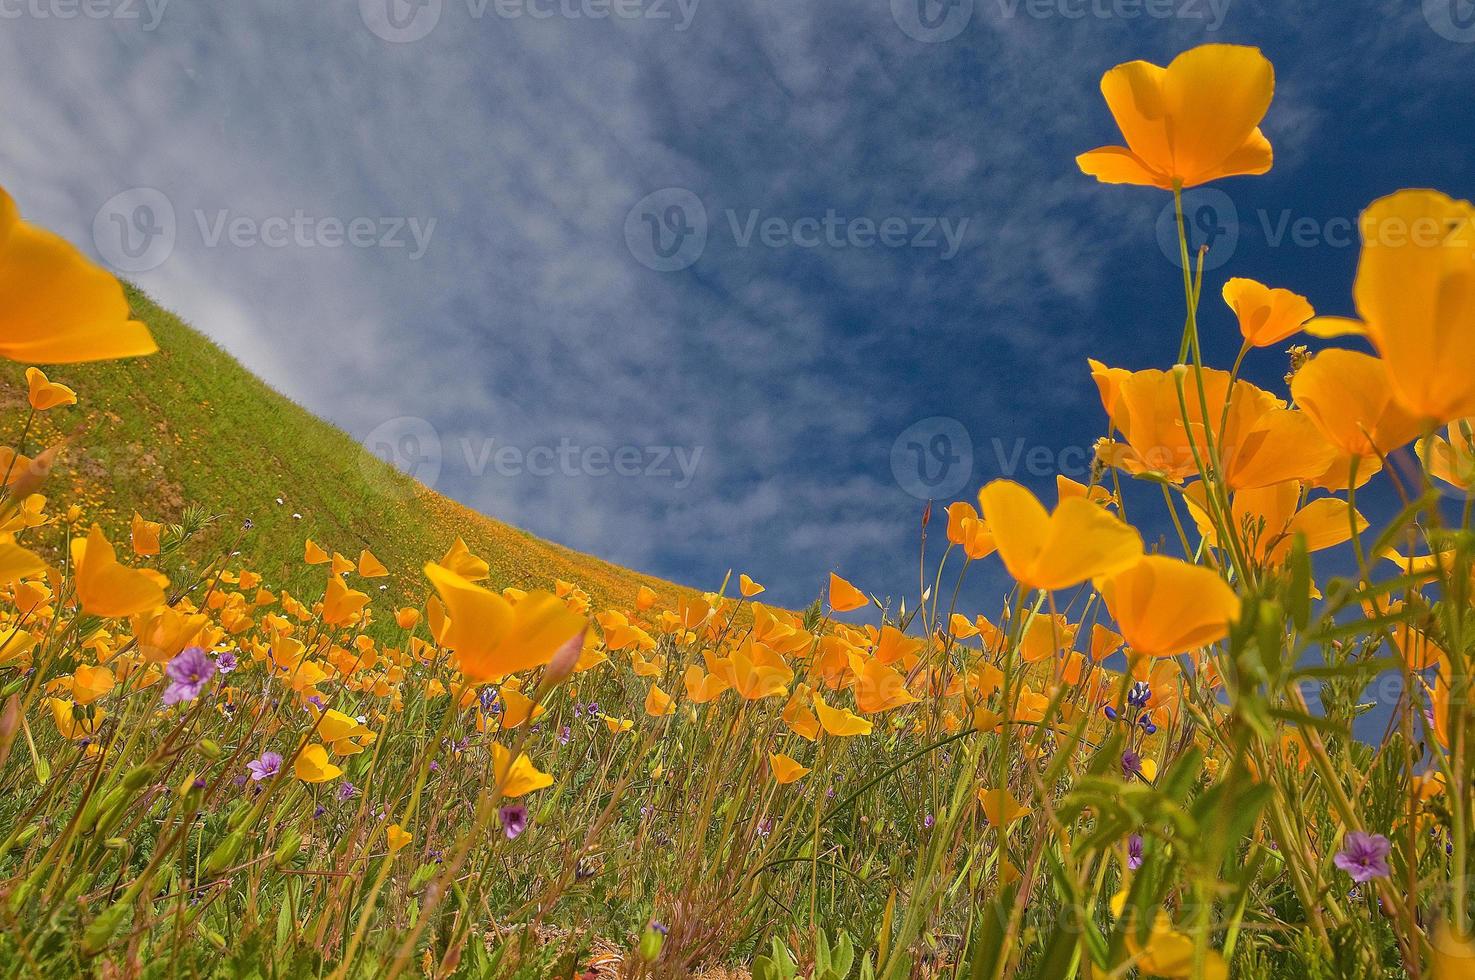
(927, 822)
(226, 662)
(514, 819)
(1131, 764)
(765, 826)
(1134, 852)
(346, 791)
(1140, 694)
(265, 767)
(1364, 856)
(564, 735)
(188, 673)
(1110, 712)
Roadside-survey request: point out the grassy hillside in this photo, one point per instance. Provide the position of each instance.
(190, 425)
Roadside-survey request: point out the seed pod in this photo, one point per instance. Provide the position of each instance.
(138, 777)
(225, 853)
(287, 849)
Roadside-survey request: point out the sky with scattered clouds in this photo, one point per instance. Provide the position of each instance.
(703, 284)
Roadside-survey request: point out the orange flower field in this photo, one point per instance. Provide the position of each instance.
(207, 772)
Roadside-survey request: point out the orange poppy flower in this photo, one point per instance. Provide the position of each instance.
(845, 597)
(44, 394)
(1165, 607)
(1192, 122)
(1350, 398)
(492, 637)
(785, 770)
(1266, 316)
(56, 307)
(840, 722)
(1080, 540)
(108, 589)
(145, 535)
(1414, 289)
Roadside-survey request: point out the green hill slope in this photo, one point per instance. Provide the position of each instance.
(191, 426)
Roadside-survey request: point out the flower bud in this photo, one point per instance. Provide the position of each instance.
(564, 660)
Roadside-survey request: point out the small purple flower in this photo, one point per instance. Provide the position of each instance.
(226, 662)
(199, 783)
(488, 698)
(564, 735)
(434, 766)
(1131, 764)
(318, 811)
(658, 927)
(765, 826)
(316, 702)
(188, 673)
(1364, 856)
(1140, 694)
(1134, 852)
(1110, 712)
(265, 767)
(593, 710)
(346, 791)
(514, 819)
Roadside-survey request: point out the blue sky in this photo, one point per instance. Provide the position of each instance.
(691, 285)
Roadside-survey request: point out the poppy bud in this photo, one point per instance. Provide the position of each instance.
(565, 659)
